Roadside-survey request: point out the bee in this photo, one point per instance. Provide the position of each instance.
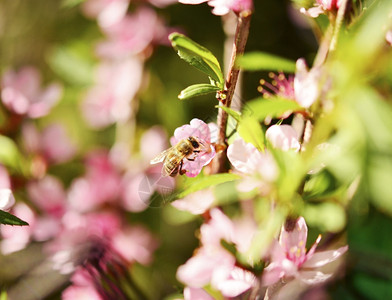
(173, 157)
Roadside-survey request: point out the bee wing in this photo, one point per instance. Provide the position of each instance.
(160, 157)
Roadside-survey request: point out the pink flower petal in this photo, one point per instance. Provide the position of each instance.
(219, 227)
(192, 1)
(283, 137)
(241, 154)
(313, 277)
(271, 274)
(388, 37)
(135, 244)
(206, 266)
(312, 12)
(313, 248)
(7, 199)
(196, 203)
(294, 242)
(239, 282)
(191, 293)
(322, 258)
(306, 84)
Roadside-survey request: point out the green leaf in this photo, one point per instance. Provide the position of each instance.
(70, 63)
(261, 108)
(3, 295)
(197, 90)
(197, 56)
(235, 114)
(9, 219)
(206, 182)
(327, 216)
(254, 61)
(250, 130)
(9, 154)
(71, 3)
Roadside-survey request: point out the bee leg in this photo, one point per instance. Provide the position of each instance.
(180, 170)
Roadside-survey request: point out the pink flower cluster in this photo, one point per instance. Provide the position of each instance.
(291, 263)
(128, 40)
(83, 223)
(223, 7)
(213, 264)
(303, 87)
(288, 261)
(21, 93)
(322, 7)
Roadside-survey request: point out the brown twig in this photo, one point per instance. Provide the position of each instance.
(241, 37)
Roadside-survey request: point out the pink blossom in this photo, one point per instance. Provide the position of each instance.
(200, 130)
(280, 85)
(52, 143)
(101, 183)
(388, 37)
(109, 100)
(330, 4)
(302, 88)
(250, 161)
(283, 137)
(306, 84)
(195, 203)
(289, 258)
(135, 243)
(56, 145)
(107, 12)
(153, 142)
(7, 199)
(134, 34)
(215, 265)
(48, 195)
(222, 7)
(191, 293)
(205, 267)
(86, 292)
(21, 93)
(321, 7)
(238, 282)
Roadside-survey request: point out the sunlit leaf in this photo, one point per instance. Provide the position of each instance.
(231, 112)
(250, 130)
(71, 3)
(9, 219)
(9, 154)
(254, 61)
(197, 90)
(274, 107)
(197, 56)
(207, 181)
(69, 63)
(327, 216)
(380, 182)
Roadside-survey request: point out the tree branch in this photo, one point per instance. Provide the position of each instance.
(241, 37)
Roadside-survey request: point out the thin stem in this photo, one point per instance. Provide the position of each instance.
(338, 25)
(241, 37)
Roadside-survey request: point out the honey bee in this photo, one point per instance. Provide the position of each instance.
(173, 157)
